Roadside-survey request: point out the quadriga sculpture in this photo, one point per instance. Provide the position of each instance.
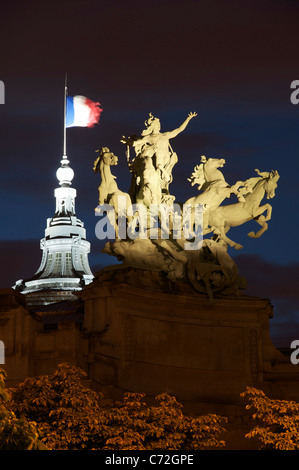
(206, 265)
(233, 215)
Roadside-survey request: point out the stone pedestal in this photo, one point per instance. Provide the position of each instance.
(149, 335)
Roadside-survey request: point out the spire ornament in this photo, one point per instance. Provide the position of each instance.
(65, 173)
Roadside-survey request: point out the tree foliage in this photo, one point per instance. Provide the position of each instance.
(70, 416)
(277, 421)
(58, 412)
(67, 413)
(133, 425)
(15, 433)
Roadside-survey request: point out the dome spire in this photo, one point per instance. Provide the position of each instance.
(65, 173)
(64, 268)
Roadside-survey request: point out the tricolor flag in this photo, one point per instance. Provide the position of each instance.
(81, 112)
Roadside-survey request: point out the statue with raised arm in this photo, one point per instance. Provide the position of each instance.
(186, 242)
(163, 156)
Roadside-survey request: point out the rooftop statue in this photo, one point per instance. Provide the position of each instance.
(156, 143)
(161, 235)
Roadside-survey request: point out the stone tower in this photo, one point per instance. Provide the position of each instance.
(64, 267)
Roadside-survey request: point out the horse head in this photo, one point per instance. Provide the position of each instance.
(204, 172)
(271, 184)
(105, 156)
(212, 162)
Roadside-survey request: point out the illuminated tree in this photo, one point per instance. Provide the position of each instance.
(70, 416)
(135, 425)
(67, 413)
(15, 433)
(277, 421)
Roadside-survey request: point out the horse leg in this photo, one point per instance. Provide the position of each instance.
(260, 210)
(221, 232)
(261, 220)
(268, 207)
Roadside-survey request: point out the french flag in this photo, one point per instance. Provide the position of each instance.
(81, 112)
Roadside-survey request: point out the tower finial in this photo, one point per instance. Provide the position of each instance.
(65, 173)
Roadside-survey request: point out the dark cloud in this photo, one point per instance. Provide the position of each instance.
(279, 283)
(276, 280)
(150, 44)
(19, 260)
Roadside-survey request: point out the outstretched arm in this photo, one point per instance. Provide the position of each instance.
(180, 129)
(129, 140)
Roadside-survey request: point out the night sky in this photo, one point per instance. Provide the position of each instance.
(232, 62)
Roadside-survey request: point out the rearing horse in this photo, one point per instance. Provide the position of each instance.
(212, 183)
(108, 189)
(233, 215)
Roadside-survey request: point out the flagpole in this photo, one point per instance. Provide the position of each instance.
(64, 121)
